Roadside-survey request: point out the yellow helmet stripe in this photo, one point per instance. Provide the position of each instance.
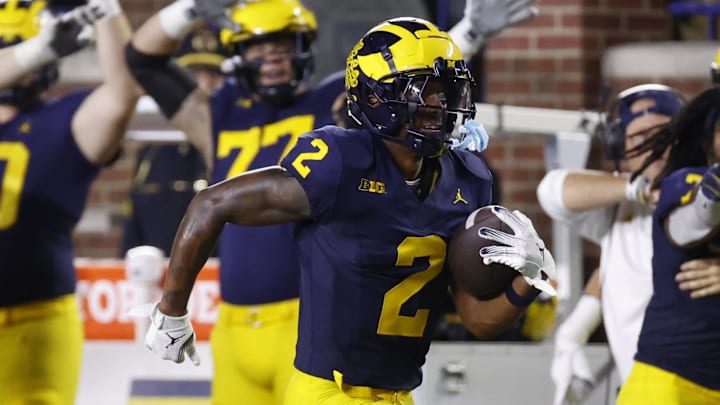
(430, 44)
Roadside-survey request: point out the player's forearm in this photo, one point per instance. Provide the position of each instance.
(113, 34)
(586, 190)
(194, 241)
(194, 120)
(12, 71)
(151, 39)
(487, 319)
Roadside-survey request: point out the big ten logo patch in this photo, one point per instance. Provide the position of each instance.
(105, 296)
(372, 186)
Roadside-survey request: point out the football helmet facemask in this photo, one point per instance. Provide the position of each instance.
(268, 20)
(406, 73)
(20, 21)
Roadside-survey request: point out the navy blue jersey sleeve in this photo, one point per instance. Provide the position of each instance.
(316, 162)
(676, 189)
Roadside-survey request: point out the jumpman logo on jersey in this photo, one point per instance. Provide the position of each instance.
(25, 127)
(173, 340)
(459, 198)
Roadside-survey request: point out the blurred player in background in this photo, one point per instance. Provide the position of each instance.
(50, 152)
(615, 213)
(604, 208)
(257, 117)
(167, 176)
(678, 351)
(373, 212)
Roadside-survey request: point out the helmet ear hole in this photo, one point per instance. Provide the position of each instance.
(614, 141)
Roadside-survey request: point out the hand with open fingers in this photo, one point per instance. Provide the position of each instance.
(473, 137)
(170, 337)
(216, 11)
(710, 183)
(63, 35)
(700, 276)
(489, 17)
(523, 251)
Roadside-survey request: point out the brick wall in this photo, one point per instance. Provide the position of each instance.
(552, 61)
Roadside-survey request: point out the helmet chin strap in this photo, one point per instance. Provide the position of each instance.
(277, 96)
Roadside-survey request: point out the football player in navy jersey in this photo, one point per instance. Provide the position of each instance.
(255, 119)
(167, 176)
(373, 212)
(50, 152)
(678, 355)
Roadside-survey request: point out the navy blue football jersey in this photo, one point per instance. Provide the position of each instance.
(680, 334)
(45, 183)
(373, 255)
(259, 264)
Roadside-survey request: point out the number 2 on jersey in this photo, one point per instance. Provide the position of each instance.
(413, 247)
(14, 158)
(299, 162)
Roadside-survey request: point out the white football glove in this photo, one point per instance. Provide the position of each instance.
(170, 337)
(94, 11)
(58, 37)
(484, 19)
(178, 18)
(473, 137)
(525, 250)
(488, 17)
(570, 370)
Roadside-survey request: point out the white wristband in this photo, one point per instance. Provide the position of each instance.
(33, 53)
(468, 45)
(582, 321)
(176, 19)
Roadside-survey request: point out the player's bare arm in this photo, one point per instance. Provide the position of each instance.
(592, 189)
(179, 98)
(260, 197)
(488, 318)
(100, 123)
(194, 119)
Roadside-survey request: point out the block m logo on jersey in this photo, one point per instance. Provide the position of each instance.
(372, 186)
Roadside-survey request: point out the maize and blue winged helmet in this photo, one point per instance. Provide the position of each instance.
(266, 20)
(407, 73)
(20, 21)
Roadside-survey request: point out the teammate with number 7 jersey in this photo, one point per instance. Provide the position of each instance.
(50, 152)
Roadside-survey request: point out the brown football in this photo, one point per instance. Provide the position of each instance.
(467, 267)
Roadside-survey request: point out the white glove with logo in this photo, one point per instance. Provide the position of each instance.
(525, 250)
(473, 137)
(170, 337)
(58, 37)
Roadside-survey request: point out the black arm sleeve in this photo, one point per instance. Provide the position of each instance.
(166, 82)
